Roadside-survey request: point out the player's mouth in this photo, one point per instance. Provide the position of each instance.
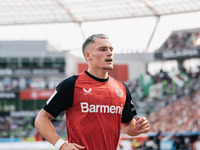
(109, 60)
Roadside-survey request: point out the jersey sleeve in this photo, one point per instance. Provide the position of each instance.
(62, 98)
(129, 108)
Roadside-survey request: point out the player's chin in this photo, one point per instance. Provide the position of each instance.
(108, 68)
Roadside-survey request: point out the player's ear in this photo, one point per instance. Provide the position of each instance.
(87, 55)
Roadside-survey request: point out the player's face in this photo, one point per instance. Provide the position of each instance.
(101, 54)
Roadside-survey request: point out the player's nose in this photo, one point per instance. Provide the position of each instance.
(109, 53)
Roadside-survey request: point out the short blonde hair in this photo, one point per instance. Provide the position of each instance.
(91, 39)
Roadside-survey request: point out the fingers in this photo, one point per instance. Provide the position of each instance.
(78, 146)
(143, 125)
(141, 121)
(71, 146)
(144, 130)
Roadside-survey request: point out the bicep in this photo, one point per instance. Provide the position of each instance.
(44, 114)
(42, 117)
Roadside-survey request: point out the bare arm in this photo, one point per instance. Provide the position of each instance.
(136, 126)
(45, 127)
(47, 130)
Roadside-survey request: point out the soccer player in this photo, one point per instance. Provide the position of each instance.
(96, 105)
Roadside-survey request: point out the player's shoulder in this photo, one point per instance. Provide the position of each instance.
(68, 81)
(118, 81)
(72, 79)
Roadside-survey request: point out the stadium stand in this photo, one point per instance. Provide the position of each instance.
(27, 78)
(30, 73)
(15, 126)
(171, 103)
(170, 100)
(184, 39)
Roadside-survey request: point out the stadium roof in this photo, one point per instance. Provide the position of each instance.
(58, 11)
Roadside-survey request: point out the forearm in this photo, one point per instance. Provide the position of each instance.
(129, 128)
(46, 129)
(136, 127)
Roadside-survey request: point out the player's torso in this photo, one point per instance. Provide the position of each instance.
(96, 113)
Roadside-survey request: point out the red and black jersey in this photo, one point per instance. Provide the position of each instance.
(94, 109)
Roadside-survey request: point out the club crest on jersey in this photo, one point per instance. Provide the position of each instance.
(119, 92)
(86, 92)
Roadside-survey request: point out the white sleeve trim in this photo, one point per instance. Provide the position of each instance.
(50, 98)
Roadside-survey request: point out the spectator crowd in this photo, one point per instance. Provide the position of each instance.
(182, 40)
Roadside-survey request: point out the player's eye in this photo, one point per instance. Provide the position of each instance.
(103, 49)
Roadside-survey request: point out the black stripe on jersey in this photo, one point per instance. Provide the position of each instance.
(64, 97)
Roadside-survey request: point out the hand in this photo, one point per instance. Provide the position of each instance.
(142, 125)
(136, 127)
(71, 146)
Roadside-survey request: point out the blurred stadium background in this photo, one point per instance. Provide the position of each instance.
(164, 81)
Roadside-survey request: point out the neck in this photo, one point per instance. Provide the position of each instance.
(102, 74)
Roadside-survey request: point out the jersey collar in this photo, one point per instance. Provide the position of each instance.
(95, 78)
